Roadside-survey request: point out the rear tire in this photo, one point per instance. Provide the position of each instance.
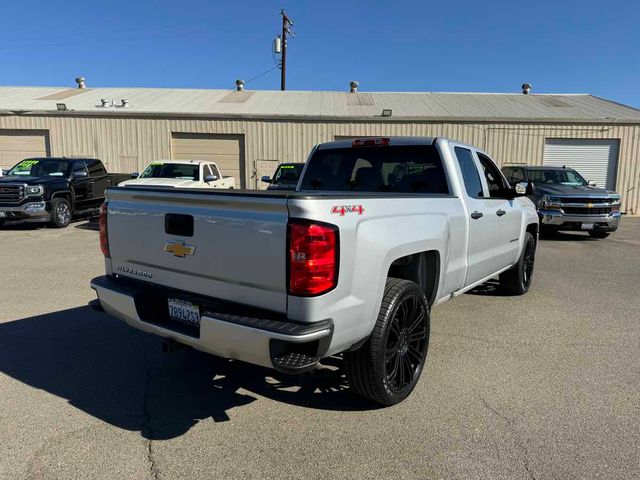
(597, 234)
(2, 222)
(517, 280)
(387, 367)
(60, 212)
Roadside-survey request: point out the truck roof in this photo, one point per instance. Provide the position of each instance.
(62, 159)
(182, 162)
(393, 141)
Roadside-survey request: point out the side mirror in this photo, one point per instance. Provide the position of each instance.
(592, 183)
(80, 174)
(135, 175)
(266, 179)
(524, 188)
(210, 178)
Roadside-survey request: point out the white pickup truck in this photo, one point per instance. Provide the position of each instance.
(378, 231)
(181, 174)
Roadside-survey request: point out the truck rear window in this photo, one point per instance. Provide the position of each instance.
(401, 169)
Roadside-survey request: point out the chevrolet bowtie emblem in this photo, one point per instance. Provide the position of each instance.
(179, 249)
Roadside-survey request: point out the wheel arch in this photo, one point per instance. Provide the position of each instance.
(422, 268)
(66, 194)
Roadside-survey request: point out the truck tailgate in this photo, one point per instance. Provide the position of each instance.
(236, 252)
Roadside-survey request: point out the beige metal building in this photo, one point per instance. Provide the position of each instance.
(249, 132)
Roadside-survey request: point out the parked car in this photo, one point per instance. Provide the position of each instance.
(54, 189)
(566, 201)
(183, 174)
(285, 177)
(378, 231)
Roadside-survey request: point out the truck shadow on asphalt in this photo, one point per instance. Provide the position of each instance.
(121, 376)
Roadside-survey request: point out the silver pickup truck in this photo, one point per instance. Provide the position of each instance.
(378, 231)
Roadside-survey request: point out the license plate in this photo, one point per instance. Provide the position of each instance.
(184, 311)
(3, 215)
(587, 226)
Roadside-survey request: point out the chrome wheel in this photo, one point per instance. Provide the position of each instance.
(406, 344)
(63, 213)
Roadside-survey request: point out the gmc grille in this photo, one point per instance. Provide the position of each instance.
(11, 193)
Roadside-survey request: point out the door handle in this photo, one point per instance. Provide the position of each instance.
(501, 213)
(477, 215)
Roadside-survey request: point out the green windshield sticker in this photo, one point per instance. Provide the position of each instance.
(26, 165)
(156, 164)
(282, 167)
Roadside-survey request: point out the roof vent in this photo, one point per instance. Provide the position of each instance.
(240, 85)
(104, 102)
(526, 88)
(354, 86)
(125, 103)
(80, 82)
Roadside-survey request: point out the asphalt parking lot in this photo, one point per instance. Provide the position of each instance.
(537, 387)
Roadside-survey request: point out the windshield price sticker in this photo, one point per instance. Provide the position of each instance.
(342, 210)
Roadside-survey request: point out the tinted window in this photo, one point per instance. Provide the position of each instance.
(508, 171)
(214, 171)
(403, 169)
(287, 174)
(186, 171)
(78, 166)
(95, 168)
(206, 170)
(470, 175)
(494, 178)
(517, 175)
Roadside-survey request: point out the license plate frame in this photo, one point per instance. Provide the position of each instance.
(183, 311)
(586, 226)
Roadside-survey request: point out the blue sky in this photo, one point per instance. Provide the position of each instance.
(559, 46)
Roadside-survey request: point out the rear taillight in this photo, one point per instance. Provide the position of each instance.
(313, 258)
(371, 142)
(104, 238)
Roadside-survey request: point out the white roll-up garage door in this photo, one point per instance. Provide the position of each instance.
(595, 160)
(16, 145)
(225, 150)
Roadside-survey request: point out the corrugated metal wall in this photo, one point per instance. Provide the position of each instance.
(123, 141)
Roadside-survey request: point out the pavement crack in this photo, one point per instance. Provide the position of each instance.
(516, 438)
(146, 429)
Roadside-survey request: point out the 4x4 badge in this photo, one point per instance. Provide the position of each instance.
(179, 249)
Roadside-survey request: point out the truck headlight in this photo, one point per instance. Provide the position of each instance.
(549, 201)
(35, 190)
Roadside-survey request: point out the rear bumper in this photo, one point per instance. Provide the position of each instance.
(562, 221)
(287, 346)
(32, 211)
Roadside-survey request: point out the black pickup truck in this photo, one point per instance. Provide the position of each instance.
(54, 189)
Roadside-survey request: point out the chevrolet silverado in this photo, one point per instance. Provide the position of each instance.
(566, 201)
(378, 231)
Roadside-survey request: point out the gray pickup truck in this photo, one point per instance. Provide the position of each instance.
(377, 232)
(566, 201)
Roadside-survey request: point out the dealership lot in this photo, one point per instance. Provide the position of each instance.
(541, 386)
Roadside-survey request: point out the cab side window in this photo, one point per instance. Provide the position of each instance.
(79, 166)
(517, 176)
(96, 169)
(214, 171)
(495, 180)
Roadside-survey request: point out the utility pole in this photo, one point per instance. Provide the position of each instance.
(286, 24)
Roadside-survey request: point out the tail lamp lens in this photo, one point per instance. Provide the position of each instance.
(313, 258)
(104, 238)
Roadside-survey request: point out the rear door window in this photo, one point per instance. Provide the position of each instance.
(401, 169)
(470, 174)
